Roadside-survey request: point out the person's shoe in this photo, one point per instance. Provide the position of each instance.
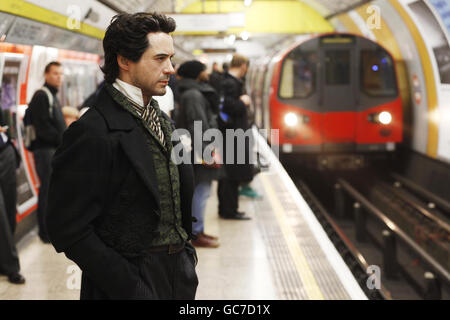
(16, 278)
(204, 242)
(249, 192)
(210, 237)
(237, 216)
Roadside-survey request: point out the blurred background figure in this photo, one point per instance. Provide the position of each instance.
(234, 115)
(225, 67)
(166, 102)
(70, 114)
(173, 85)
(9, 161)
(215, 78)
(199, 102)
(49, 124)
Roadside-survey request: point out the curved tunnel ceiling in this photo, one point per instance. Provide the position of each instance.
(313, 19)
(325, 8)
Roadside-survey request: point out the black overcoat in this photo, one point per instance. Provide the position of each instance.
(232, 89)
(103, 199)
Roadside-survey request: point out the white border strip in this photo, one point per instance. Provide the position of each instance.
(333, 256)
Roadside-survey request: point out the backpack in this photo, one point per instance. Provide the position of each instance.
(30, 131)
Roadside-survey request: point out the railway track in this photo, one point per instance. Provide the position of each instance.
(361, 223)
(429, 230)
(436, 205)
(354, 259)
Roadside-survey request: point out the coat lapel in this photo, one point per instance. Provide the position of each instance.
(139, 154)
(132, 140)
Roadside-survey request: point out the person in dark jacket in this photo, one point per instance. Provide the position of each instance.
(9, 161)
(215, 78)
(49, 124)
(119, 207)
(198, 102)
(234, 116)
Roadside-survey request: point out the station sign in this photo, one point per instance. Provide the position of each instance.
(214, 22)
(28, 32)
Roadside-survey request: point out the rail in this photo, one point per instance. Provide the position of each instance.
(442, 203)
(390, 235)
(424, 212)
(356, 254)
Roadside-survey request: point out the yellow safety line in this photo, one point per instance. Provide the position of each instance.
(430, 81)
(304, 271)
(33, 12)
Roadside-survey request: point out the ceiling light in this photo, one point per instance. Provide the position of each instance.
(245, 35)
(230, 39)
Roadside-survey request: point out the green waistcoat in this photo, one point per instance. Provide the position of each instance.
(170, 226)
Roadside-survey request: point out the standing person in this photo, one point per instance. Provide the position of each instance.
(215, 78)
(70, 114)
(225, 67)
(49, 125)
(245, 188)
(118, 205)
(198, 102)
(9, 259)
(235, 106)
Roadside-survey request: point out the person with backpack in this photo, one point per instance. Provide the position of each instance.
(198, 102)
(45, 117)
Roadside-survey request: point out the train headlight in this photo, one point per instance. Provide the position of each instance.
(291, 119)
(385, 117)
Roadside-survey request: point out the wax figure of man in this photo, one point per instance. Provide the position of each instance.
(118, 205)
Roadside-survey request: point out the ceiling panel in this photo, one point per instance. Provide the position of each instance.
(333, 6)
(324, 7)
(140, 5)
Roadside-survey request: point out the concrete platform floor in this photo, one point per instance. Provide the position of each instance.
(238, 269)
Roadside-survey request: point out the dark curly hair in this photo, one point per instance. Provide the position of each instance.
(127, 36)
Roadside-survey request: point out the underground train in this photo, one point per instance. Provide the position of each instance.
(21, 74)
(333, 97)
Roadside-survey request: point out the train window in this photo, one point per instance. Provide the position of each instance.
(298, 74)
(337, 67)
(377, 73)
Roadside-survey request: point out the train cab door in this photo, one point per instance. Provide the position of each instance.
(337, 96)
(12, 69)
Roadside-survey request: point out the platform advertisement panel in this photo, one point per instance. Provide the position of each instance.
(428, 15)
(442, 7)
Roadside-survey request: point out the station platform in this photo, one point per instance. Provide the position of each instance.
(282, 253)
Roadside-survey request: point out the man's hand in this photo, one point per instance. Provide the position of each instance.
(245, 99)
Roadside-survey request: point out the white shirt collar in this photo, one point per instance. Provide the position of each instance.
(131, 92)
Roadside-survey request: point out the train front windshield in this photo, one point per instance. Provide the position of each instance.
(377, 73)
